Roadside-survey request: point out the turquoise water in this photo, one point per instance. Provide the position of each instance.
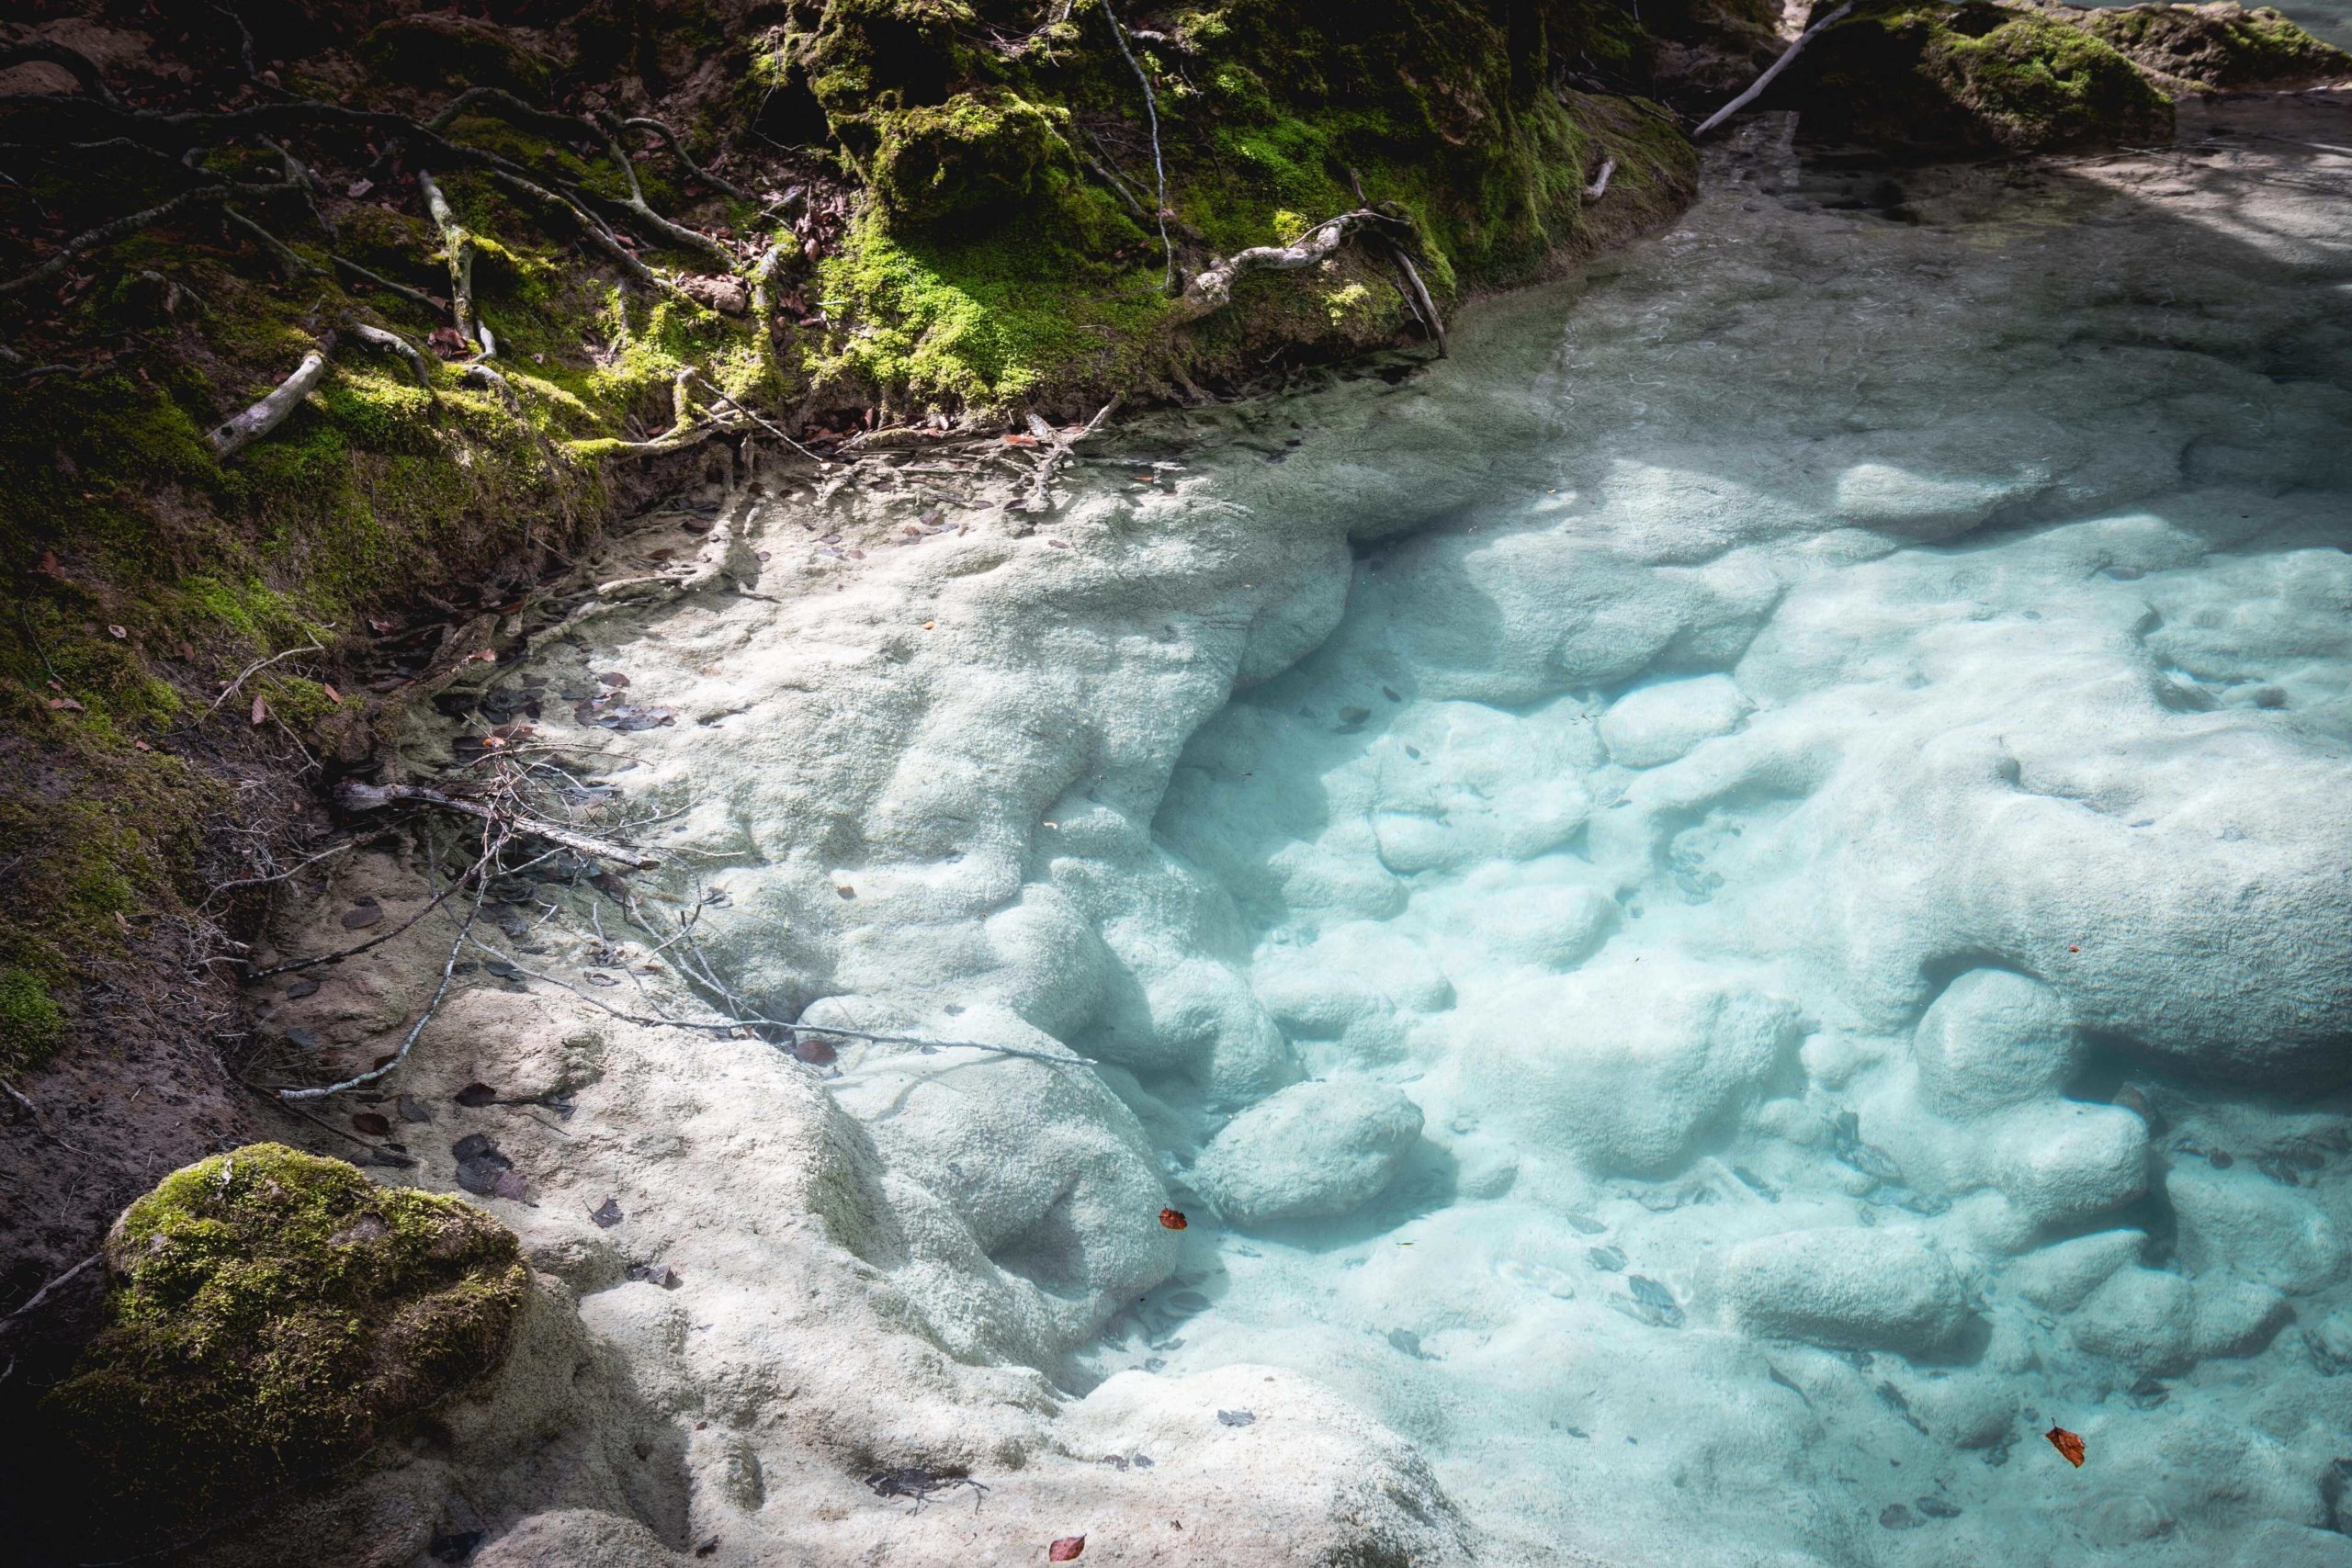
(1844, 852)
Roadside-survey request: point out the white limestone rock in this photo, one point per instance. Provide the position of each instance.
(1993, 1038)
(1626, 1066)
(1314, 1150)
(1852, 1289)
(1651, 725)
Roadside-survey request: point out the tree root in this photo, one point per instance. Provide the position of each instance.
(376, 279)
(1211, 289)
(71, 60)
(677, 233)
(457, 249)
(678, 150)
(392, 343)
(270, 412)
(1158, 164)
(1600, 185)
(122, 228)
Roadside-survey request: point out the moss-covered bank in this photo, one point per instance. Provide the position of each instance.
(918, 211)
(272, 1317)
(1994, 76)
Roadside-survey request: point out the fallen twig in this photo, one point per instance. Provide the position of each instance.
(1600, 185)
(1757, 87)
(44, 1292)
(271, 412)
(416, 1030)
(250, 671)
(353, 795)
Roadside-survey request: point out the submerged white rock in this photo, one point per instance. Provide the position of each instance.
(1854, 1289)
(1312, 1151)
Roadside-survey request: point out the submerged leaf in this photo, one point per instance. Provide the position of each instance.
(2068, 1444)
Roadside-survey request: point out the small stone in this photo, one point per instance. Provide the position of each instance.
(608, 1216)
(1235, 1417)
(1898, 1517)
(300, 988)
(361, 917)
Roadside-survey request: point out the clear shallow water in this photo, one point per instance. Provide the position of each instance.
(1788, 805)
(1846, 855)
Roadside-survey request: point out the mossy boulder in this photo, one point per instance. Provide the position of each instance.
(1977, 77)
(2215, 46)
(273, 1316)
(979, 153)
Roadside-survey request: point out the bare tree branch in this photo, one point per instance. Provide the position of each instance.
(354, 795)
(271, 412)
(1756, 88)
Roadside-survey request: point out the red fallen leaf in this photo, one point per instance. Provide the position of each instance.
(373, 1123)
(1065, 1550)
(1019, 440)
(66, 704)
(332, 695)
(2068, 1444)
(1173, 1219)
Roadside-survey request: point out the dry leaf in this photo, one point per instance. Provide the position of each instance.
(374, 1123)
(261, 709)
(1173, 1219)
(2068, 1444)
(66, 704)
(117, 633)
(1065, 1550)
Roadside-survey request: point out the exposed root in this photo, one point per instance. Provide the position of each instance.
(1211, 289)
(457, 249)
(71, 60)
(122, 228)
(1600, 185)
(375, 279)
(677, 233)
(1158, 164)
(678, 150)
(392, 343)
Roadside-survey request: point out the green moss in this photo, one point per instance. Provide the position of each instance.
(985, 323)
(2215, 46)
(1982, 76)
(31, 1021)
(975, 157)
(272, 1316)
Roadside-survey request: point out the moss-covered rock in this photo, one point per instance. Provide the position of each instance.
(273, 1316)
(979, 156)
(1978, 77)
(2215, 46)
